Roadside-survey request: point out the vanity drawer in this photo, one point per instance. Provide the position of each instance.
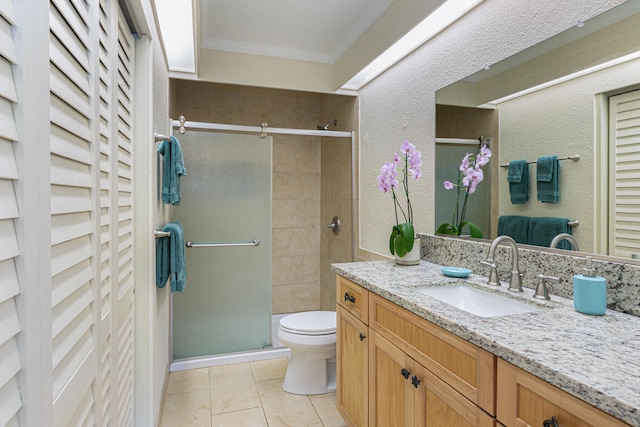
(467, 368)
(526, 400)
(353, 297)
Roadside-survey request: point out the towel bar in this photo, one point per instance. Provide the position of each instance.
(574, 158)
(573, 223)
(221, 244)
(161, 137)
(158, 234)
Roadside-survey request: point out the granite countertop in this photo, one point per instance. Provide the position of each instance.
(596, 358)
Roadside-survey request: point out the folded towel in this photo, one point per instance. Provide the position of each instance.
(518, 178)
(548, 179)
(173, 169)
(542, 230)
(514, 226)
(170, 261)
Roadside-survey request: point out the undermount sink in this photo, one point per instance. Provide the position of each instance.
(478, 302)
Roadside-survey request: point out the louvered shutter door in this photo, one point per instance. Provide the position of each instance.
(624, 194)
(10, 364)
(124, 327)
(74, 358)
(107, 214)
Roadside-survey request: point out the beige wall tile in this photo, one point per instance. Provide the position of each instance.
(295, 269)
(296, 242)
(294, 298)
(284, 213)
(308, 214)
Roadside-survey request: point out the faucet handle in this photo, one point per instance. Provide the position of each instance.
(542, 291)
(493, 278)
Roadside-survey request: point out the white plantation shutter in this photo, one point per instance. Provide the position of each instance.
(624, 205)
(10, 326)
(66, 264)
(74, 359)
(107, 254)
(124, 322)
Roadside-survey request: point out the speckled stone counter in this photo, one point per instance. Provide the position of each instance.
(596, 358)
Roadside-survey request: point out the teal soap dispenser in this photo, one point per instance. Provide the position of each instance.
(589, 291)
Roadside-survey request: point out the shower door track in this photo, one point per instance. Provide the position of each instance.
(260, 129)
(183, 125)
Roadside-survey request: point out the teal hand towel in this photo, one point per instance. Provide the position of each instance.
(518, 178)
(514, 226)
(542, 230)
(170, 261)
(173, 169)
(548, 179)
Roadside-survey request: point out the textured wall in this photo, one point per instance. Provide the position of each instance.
(400, 104)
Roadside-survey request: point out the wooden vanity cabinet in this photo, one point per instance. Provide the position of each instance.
(468, 369)
(397, 369)
(352, 375)
(405, 393)
(525, 400)
(352, 352)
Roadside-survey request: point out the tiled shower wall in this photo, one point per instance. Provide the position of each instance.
(298, 212)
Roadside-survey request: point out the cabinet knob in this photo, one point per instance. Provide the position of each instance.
(405, 373)
(415, 381)
(550, 423)
(349, 298)
(362, 336)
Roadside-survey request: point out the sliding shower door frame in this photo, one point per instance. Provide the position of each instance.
(183, 126)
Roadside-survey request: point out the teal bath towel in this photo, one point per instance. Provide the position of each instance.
(542, 230)
(514, 226)
(173, 169)
(548, 179)
(170, 261)
(518, 178)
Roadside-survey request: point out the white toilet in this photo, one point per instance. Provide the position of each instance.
(311, 336)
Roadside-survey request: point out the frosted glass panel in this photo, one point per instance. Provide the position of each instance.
(449, 159)
(226, 197)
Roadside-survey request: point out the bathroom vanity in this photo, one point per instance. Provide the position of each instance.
(407, 359)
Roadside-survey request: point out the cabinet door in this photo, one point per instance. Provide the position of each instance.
(525, 400)
(442, 406)
(391, 394)
(351, 369)
(353, 297)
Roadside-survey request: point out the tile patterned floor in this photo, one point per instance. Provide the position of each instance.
(245, 394)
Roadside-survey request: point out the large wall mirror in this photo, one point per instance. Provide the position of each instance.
(576, 94)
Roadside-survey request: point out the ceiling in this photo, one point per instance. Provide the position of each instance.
(317, 31)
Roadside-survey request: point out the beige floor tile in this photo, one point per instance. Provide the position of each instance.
(283, 409)
(232, 388)
(191, 380)
(264, 370)
(187, 409)
(246, 418)
(325, 406)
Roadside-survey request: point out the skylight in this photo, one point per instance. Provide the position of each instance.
(175, 18)
(441, 18)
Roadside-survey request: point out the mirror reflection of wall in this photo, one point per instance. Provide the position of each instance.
(570, 116)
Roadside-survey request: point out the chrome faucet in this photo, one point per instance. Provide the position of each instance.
(560, 237)
(515, 284)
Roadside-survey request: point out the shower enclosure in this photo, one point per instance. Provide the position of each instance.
(226, 308)
(226, 215)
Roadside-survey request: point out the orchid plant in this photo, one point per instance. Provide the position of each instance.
(469, 176)
(402, 234)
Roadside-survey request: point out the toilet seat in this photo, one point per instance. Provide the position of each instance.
(310, 323)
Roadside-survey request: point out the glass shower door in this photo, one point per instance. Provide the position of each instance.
(226, 197)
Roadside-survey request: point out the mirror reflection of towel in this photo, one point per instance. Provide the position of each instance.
(548, 179)
(518, 178)
(514, 226)
(542, 230)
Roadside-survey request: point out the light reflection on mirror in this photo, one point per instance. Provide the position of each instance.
(591, 69)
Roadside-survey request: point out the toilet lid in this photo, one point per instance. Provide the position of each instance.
(310, 323)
